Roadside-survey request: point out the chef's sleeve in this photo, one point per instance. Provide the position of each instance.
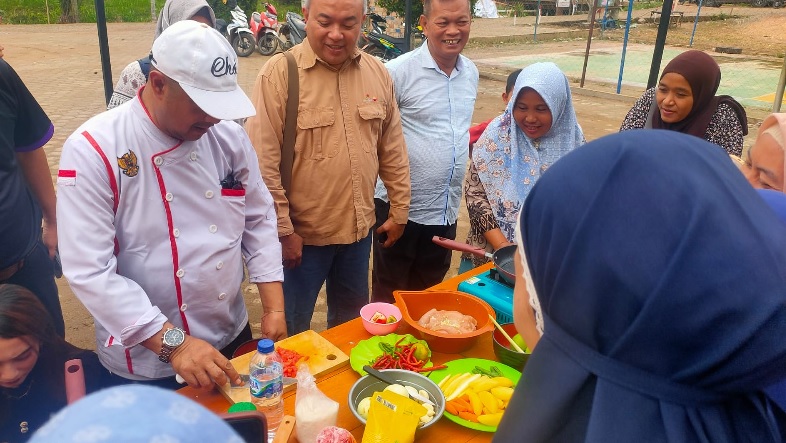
(86, 190)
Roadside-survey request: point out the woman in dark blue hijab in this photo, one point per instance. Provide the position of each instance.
(662, 281)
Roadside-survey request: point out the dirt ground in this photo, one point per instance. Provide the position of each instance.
(61, 66)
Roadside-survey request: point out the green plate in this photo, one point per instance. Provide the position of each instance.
(467, 365)
(366, 351)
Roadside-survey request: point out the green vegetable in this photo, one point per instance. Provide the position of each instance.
(387, 348)
(490, 372)
(421, 351)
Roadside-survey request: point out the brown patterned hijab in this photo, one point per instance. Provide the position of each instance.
(703, 75)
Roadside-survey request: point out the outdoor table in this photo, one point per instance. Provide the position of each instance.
(336, 384)
(674, 20)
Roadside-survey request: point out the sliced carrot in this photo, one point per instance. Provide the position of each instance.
(451, 407)
(468, 416)
(463, 404)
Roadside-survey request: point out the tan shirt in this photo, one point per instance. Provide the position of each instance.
(348, 132)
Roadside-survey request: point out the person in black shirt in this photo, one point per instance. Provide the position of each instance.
(26, 195)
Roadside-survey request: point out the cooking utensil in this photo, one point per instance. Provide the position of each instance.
(284, 429)
(503, 257)
(510, 340)
(380, 376)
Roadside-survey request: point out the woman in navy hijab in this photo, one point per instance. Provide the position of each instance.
(662, 282)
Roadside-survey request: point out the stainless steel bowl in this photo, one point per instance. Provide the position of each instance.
(368, 385)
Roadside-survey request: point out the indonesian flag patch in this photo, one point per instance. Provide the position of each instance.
(66, 177)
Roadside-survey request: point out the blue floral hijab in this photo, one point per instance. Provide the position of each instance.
(662, 281)
(508, 162)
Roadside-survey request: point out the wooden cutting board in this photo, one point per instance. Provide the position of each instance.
(323, 357)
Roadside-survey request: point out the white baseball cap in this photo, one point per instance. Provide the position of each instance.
(203, 62)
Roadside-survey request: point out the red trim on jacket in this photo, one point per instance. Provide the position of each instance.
(171, 228)
(112, 181)
(66, 173)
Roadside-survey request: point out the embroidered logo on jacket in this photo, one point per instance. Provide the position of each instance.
(128, 163)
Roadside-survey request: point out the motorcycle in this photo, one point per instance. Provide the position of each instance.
(379, 44)
(237, 32)
(265, 29)
(292, 32)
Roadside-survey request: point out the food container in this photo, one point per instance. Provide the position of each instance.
(387, 310)
(503, 350)
(414, 304)
(368, 385)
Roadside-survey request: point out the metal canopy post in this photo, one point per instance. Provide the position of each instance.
(407, 25)
(103, 47)
(589, 41)
(660, 42)
(625, 44)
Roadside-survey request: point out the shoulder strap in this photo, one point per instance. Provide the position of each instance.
(144, 65)
(290, 120)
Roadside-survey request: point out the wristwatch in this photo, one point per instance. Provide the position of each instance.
(172, 339)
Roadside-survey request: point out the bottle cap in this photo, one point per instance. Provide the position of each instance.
(265, 346)
(242, 406)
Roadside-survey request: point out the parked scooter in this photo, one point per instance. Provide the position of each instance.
(238, 33)
(265, 29)
(292, 32)
(379, 44)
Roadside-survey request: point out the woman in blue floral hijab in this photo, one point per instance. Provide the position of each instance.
(538, 127)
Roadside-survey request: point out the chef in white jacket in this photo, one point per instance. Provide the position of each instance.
(159, 202)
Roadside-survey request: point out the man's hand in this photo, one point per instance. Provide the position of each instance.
(274, 325)
(393, 231)
(49, 237)
(200, 365)
(291, 250)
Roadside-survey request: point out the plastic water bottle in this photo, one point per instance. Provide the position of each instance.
(266, 384)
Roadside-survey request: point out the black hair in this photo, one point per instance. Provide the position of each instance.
(512, 81)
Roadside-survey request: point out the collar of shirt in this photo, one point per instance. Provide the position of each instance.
(309, 57)
(427, 61)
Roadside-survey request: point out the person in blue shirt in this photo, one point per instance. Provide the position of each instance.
(436, 88)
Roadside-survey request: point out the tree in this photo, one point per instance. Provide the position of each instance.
(69, 11)
(398, 6)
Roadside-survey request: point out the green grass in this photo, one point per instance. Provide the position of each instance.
(35, 11)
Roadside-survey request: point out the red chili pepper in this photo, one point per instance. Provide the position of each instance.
(432, 368)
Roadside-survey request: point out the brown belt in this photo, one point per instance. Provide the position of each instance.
(9, 272)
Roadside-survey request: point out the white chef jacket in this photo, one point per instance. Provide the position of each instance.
(148, 234)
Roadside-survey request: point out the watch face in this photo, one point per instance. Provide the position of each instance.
(174, 337)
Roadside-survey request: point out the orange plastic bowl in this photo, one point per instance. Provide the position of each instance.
(414, 304)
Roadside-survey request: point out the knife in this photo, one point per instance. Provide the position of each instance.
(244, 379)
(383, 377)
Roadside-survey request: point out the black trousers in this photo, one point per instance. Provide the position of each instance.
(38, 276)
(413, 263)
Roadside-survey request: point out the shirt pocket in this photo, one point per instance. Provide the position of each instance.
(232, 222)
(371, 117)
(315, 140)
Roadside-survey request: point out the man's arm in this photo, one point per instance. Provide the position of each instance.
(266, 131)
(274, 324)
(39, 179)
(394, 170)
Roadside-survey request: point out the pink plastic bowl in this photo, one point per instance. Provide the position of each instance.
(378, 328)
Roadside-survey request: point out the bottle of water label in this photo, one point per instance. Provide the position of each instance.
(266, 382)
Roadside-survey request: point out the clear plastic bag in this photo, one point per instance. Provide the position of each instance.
(314, 410)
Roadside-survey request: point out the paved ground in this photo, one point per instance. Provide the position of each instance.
(62, 67)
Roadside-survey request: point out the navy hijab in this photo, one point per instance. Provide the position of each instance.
(662, 280)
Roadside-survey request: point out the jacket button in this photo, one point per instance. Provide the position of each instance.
(219, 265)
(183, 307)
(209, 194)
(193, 156)
(169, 196)
(176, 232)
(213, 229)
(180, 273)
(222, 296)
(158, 161)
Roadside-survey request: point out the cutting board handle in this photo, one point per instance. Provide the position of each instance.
(284, 430)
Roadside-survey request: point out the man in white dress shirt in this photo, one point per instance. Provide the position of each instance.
(436, 88)
(160, 202)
